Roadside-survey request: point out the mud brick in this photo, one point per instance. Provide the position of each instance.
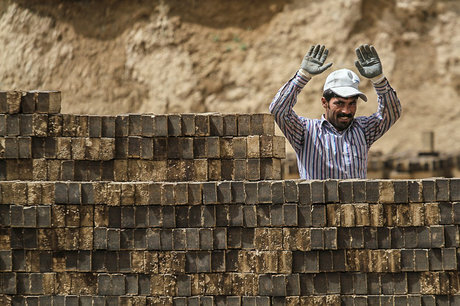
(134, 147)
(13, 125)
(202, 125)
(48, 102)
(270, 168)
(134, 125)
(213, 145)
(397, 237)
(122, 126)
(346, 191)
(244, 124)
(359, 191)
(224, 192)
(13, 101)
(108, 126)
(194, 193)
(290, 215)
(332, 191)
(52, 128)
(423, 237)
(264, 192)
(92, 148)
(63, 147)
(318, 215)
(220, 238)
(250, 192)
(26, 127)
(291, 193)
(265, 284)
(3, 125)
(179, 240)
(234, 237)
(410, 237)
(442, 190)
(30, 216)
(74, 191)
(205, 239)
(373, 191)
(266, 146)
(3, 102)
(168, 216)
(437, 236)
(95, 126)
(401, 194)
(235, 213)
(415, 191)
(200, 149)
(253, 146)
(429, 190)
(449, 259)
(230, 126)
(318, 192)
(347, 215)
(210, 193)
(214, 170)
(121, 147)
(421, 260)
(78, 148)
(240, 148)
(28, 101)
(317, 239)
(304, 190)
(451, 233)
(222, 215)
(276, 215)
(120, 170)
(11, 147)
(446, 213)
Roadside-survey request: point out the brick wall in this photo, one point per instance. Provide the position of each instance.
(191, 210)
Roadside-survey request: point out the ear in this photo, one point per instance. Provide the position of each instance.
(324, 102)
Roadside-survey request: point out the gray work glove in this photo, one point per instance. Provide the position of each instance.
(313, 61)
(368, 62)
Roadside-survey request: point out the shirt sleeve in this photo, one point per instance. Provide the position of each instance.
(289, 122)
(388, 111)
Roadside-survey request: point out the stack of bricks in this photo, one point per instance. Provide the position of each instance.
(241, 238)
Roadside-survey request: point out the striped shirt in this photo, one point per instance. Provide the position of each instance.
(322, 151)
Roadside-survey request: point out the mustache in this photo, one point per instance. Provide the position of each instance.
(345, 115)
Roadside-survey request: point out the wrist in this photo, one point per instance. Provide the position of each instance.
(305, 73)
(378, 79)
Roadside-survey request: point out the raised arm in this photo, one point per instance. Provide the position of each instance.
(389, 106)
(282, 105)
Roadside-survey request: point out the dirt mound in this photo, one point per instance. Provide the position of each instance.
(111, 57)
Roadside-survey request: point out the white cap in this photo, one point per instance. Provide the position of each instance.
(344, 83)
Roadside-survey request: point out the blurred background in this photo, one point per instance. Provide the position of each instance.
(176, 56)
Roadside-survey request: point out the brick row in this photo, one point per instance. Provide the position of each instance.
(346, 300)
(369, 210)
(65, 148)
(171, 125)
(14, 102)
(302, 239)
(161, 148)
(139, 170)
(233, 284)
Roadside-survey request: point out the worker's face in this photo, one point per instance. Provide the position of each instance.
(340, 111)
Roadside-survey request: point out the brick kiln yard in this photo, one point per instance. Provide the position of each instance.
(191, 209)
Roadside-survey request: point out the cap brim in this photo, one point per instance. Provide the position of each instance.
(348, 92)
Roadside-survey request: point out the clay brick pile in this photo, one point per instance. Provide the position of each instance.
(232, 234)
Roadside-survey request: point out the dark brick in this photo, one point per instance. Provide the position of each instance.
(249, 216)
(305, 218)
(264, 192)
(437, 236)
(372, 191)
(235, 215)
(332, 191)
(455, 189)
(317, 192)
(421, 260)
(276, 215)
(397, 238)
(357, 237)
(305, 193)
(401, 191)
(220, 238)
(265, 284)
(346, 191)
(318, 215)
(290, 215)
(442, 190)
(451, 234)
(311, 262)
(446, 213)
(415, 191)
(206, 240)
(410, 237)
(423, 237)
(429, 190)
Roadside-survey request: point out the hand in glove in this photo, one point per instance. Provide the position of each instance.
(368, 62)
(313, 62)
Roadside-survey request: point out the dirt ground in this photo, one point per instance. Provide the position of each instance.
(135, 56)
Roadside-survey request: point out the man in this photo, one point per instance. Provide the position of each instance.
(336, 146)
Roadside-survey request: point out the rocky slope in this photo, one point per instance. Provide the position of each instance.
(110, 57)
